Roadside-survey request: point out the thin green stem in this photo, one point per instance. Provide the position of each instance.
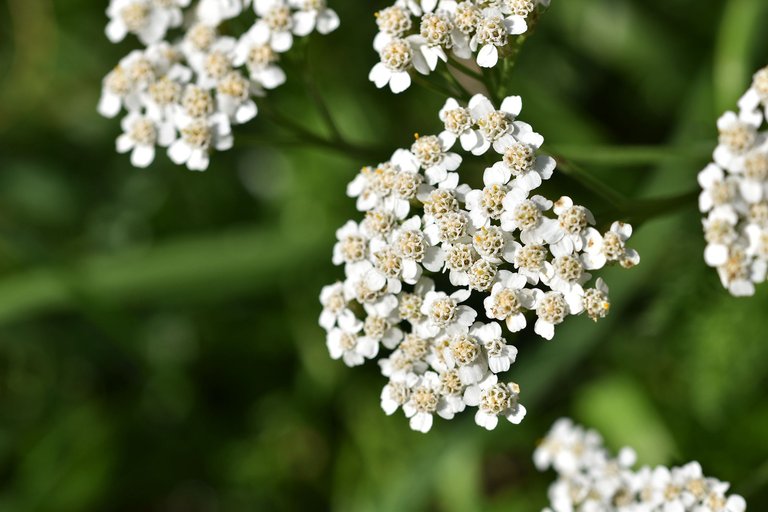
(201, 268)
(490, 83)
(613, 197)
(454, 63)
(630, 155)
(439, 89)
(317, 97)
(308, 138)
(462, 93)
(640, 211)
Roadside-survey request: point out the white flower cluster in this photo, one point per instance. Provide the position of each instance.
(734, 194)
(589, 479)
(186, 95)
(521, 254)
(418, 34)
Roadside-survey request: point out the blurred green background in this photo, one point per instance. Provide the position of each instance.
(158, 341)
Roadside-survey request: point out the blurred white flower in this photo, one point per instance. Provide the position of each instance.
(589, 478)
(192, 91)
(734, 192)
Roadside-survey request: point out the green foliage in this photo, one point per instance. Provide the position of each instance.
(158, 340)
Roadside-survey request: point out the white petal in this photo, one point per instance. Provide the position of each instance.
(488, 56)
(327, 21)
(400, 82)
(304, 22)
(142, 155)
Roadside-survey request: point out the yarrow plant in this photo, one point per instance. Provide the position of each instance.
(734, 194)
(417, 35)
(187, 94)
(591, 479)
(430, 249)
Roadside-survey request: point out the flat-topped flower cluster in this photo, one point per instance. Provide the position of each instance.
(187, 95)
(416, 35)
(734, 194)
(428, 245)
(589, 478)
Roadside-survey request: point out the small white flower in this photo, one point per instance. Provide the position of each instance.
(352, 245)
(410, 244)
(738, 134)
(200, 136)
(397, 392)
(757, 95)
(215, 63)
(521, 162)
(458, 124)
(253, 51)
(528, 216)
(488, 204)
(509, 299)
(311, 15)
(425, 400)
(494, 399)
(445, 314)
(140, 136)
(566, 274)
(276, 17)
(609, 248)
(396, 60)
(213, 12)
(572, 223)
(335, 305)
(147, 19)
(553, 308)
(432, 153)
(345, 343)
(493, 31)
(234, 99)
(720, 233)
(495, 127)
(123, 86)
(500, 355)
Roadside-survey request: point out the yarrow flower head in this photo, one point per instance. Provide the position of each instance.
(734, 194)
(418, 35)
(590, 478)
(187, 94)
(430, 249)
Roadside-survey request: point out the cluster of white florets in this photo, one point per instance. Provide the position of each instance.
(187, 95)
(416, 35)
(734, 194)
(589, 478)
(517, 253)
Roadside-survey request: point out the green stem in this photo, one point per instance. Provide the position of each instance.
(613, 197)
(462, 93)
(306, 137)
(640, 211)
(454, 63)
(489, 81)
(318, 99)
(439, 89)
(630, 155)
(202, 268)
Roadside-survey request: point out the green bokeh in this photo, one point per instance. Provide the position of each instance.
(159, 348)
